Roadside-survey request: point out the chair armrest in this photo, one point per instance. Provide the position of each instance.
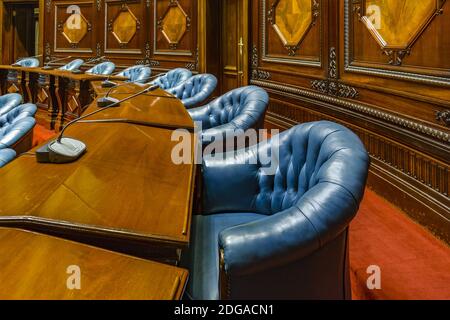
(230, 182)
(318, 217)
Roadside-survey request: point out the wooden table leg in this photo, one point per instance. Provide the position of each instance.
(46, 101)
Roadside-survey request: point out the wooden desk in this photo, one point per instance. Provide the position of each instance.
(124, 194)
(60, 95)
(17, 80)
(34, 266)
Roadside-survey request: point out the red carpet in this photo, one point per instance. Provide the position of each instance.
(414, 264)
(41, 134)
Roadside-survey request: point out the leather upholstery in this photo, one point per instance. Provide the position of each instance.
(28, 62)
(104, 68)
(6, 156)
(72, 65)
(15, 124)
(243, 108)
(195, 90)
(292, 241)
(138, 73)
(9, 101)
(172, 78)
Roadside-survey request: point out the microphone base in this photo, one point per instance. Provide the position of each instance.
(68, 150)
(108, 84)
(47, 68)
(106, 101)
(77, 72)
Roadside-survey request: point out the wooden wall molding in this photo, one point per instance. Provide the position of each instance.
(362, 108)
(332, 86)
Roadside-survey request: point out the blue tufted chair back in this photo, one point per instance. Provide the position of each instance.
(72, 65)
(173, 78)
(8, 102)
(28, 62)
(195, 90)
(104, 68)
(16, 124)
(138, 73)
(243, 108)
(309, 156)
(19, 112)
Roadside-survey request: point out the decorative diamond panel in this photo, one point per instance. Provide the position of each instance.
(125, 26)
(75, 28)
(396, 23)
(292, 19)
(174, 23)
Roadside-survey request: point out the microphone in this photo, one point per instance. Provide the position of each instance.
(47, 65)
(106, 100)
(78, 71)
(108, 84)
(16, 64)
(65, 150)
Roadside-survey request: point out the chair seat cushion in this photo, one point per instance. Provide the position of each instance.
(203, 254)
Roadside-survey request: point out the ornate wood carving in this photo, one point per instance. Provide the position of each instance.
(444, 117)
(332, 86)
(257, 74)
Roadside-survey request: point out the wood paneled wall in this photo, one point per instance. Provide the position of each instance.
(161, 33)
(380, 67)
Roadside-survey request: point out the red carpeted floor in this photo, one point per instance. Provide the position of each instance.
(413, 264)
(41, 134)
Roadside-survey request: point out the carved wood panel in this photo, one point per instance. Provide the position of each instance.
(74, 26)
(174, 27)
(159, 33)
(125, 27)
(401, 36)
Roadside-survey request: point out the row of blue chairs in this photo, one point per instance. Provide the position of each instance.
(16, 123)
(191, 90)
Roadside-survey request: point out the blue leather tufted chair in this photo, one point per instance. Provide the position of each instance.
(72, 65)
(28, 62)
(104, 68)
(172, 78)
(243, 108)
(282, 235)
(138, 73)
(16, 124)
(195, 90)
(6, 156)
(9, 101)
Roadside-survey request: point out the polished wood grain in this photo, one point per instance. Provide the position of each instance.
(35, 266)
(126, 186)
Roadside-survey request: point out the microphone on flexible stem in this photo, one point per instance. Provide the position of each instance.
(64, 150)
(106, 100)
(47, 65)
(78, 71)
(108, 84)
(16, 64)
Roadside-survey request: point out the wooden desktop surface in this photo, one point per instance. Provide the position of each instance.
(34, 266)
(64, 73)
(125, 190)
